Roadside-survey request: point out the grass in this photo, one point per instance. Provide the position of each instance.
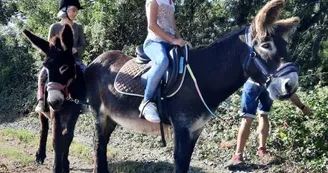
(14, 143)
(23, 136)
(13, 153)
(81, 151)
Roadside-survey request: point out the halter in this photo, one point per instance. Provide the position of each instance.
(283, 70)
(64, 88)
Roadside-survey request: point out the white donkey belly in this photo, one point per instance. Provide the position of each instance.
(138, 124)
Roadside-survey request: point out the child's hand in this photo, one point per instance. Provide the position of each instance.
(306, 111)
(179, 42)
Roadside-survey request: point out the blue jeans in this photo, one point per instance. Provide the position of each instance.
(249, 104)
(81, 65)
(157, 52)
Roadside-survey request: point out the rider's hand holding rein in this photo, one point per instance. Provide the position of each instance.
(162, 36)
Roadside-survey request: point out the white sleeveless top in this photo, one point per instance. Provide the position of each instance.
(165, 21)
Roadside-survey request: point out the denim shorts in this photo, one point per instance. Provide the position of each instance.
(255, 98)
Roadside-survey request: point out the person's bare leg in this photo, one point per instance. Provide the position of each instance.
(243, 134)
(263, 130)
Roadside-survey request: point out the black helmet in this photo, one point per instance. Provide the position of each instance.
(66, 3)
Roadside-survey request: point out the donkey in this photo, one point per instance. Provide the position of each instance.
(258, 51)
(66, 81)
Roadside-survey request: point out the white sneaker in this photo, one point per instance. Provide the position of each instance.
(149, 111)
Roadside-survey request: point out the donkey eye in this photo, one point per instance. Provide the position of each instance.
(62, 69)
(266, 45)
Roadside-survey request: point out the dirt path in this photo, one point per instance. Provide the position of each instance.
(127, 152)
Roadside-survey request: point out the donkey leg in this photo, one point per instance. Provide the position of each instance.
(41, 153)
(57, 144)
(104, 128)
(68, 135)
(184, 144)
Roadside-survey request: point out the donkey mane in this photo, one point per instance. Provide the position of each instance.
(222, 50)
(220, 40)
(227, 37)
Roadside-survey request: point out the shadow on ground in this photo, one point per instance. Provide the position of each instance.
(138, 167)
(251, 167)
(145, 167)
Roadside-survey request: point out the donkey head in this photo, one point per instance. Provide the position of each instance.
(266, 39)
(60, 64)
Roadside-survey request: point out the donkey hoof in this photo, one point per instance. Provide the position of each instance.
(66, 167)
(40, 158)
(39, 161)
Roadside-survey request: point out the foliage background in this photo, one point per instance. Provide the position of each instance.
(121, 24)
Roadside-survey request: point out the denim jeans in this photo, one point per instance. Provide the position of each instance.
(249, 105)
(81, 65)
(157, 52)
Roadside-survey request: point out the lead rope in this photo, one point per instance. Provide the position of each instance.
(196, 85)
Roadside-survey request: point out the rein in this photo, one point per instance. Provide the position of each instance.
(283, 70)
(196, 84)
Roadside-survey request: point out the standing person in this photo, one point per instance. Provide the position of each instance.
(162, 35)
(68, 11)
(249, 104)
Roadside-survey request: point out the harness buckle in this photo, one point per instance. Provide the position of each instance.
(253, 54)
(76, 101)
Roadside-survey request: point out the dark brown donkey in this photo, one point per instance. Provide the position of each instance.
(220, 68)
(66, 84)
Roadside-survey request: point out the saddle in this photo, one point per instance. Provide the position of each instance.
(129, 79)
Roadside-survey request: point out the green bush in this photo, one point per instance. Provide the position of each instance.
(298, 141)
(303, 139)
(18, 83)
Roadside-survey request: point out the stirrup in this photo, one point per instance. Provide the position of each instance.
(143, 108)
(151, 113)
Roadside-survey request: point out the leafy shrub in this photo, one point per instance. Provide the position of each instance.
(18, 83)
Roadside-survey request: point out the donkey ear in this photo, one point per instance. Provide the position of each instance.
(37, 41)
(264, 21)
(287, 26)
(67, 37)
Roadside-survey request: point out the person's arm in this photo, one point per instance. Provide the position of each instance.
(177, 33)
(297, 102)
(52, 32)
(80, 47)
(153, 26)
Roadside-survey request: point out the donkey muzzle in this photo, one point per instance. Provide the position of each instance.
(55, 99)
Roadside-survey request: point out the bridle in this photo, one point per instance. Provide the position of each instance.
(286, 68)
(63, 88)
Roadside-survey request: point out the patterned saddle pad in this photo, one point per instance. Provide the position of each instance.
(128, 80)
